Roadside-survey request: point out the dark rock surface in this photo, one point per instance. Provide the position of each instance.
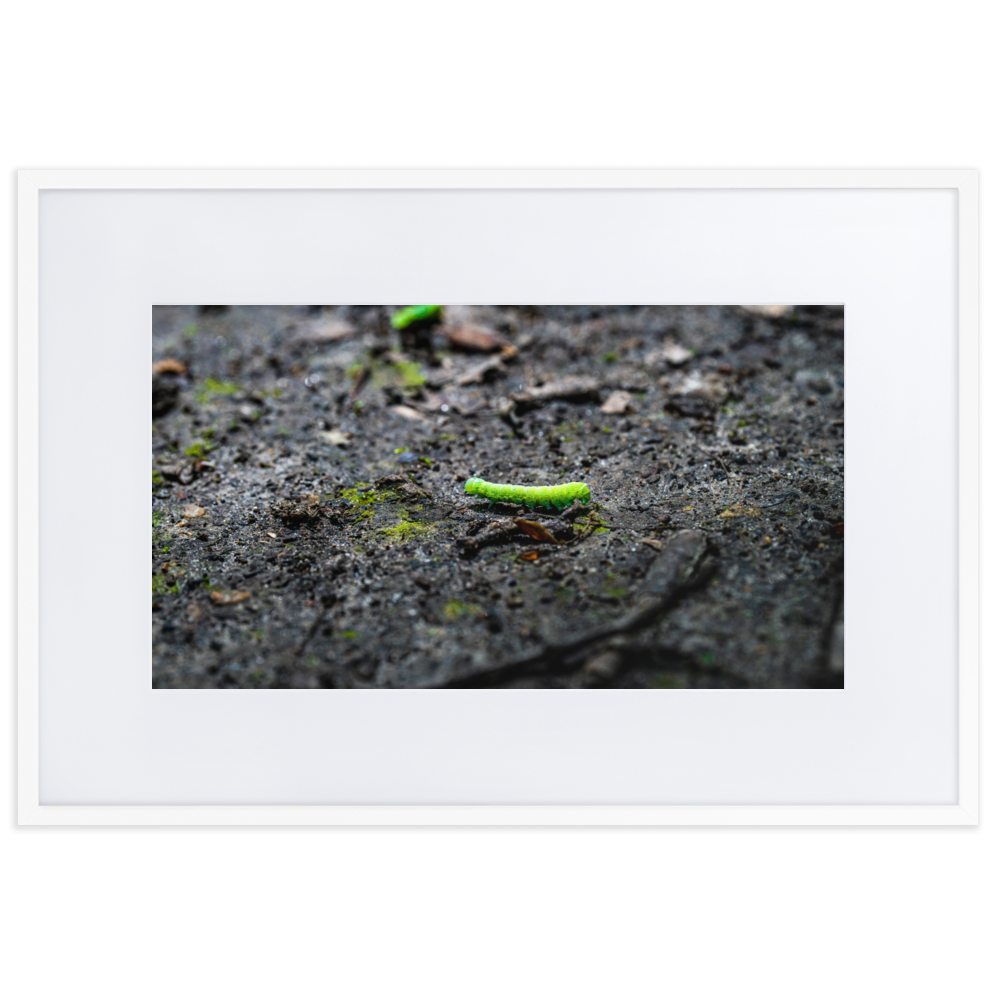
(337, 548)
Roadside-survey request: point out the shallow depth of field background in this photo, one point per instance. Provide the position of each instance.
(311, 527)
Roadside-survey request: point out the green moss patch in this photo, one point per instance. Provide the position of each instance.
(455, 610)
(406, 531)
(212, 387)
(160, 586)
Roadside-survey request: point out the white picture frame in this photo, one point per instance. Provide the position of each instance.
(898, 744)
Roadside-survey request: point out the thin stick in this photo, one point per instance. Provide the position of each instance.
(717, 458)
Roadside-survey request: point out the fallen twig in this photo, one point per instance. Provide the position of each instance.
(717, 458)
(676, 570)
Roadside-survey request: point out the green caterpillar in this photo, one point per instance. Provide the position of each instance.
(532, 496)
(413, 315)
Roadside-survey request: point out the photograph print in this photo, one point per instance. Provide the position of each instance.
(455, 496)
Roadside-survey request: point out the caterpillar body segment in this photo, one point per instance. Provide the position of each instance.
(563, 495)
(415, 315)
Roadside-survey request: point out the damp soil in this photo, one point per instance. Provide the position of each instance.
(311, 529)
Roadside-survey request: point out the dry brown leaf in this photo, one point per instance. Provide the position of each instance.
(228, 596)
(171, 365)
(407, 413)
(771, 312)
(535, 530)
(530, 556)
(618, 402)
(193, 510)
(476, 338)
(653, 543)
(337, 438)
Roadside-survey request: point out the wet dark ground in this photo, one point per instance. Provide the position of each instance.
(310, 527)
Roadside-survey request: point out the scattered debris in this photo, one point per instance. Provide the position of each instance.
(710, 386)
(716, 457)
(407, 412)
(740, 509)
(348, 519)
(572, 388)
(770, 312)
(670, 352)
(537, 531)
(618, 402)
(477, 339)
(337, 438)
(572, 513)
(364, 373)
(171, 365)
(295, 512)
(517, 530)
(180, 472)
(228, 596)
(779, 498)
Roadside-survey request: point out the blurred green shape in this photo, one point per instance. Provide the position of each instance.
(414, 315)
